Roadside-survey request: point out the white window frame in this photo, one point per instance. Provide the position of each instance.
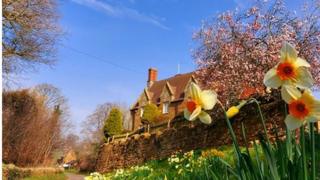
(141, 112)
(165, 107)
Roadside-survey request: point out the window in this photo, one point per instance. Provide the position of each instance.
(141, 112)
(165, 108)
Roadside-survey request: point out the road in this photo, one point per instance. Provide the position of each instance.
(72, 176)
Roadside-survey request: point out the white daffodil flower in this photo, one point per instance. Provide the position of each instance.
(291, 70)
(198, 101)
(303, 108)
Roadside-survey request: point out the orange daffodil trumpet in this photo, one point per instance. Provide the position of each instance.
(197, 102)
(303, 108)
(291, 70)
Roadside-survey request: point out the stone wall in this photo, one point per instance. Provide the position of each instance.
(175, 108)
(185, 136)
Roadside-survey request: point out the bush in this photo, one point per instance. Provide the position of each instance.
(11, 171)
(113, 124)
(87, 164)
(150, 113)
(162, 118)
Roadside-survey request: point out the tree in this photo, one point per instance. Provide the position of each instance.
(71, 142)
(53, 95)
(31, 132)
(150, 113)
(53, 98)
(113, 124)
(93, 127)
(30, 32)
(236, 49)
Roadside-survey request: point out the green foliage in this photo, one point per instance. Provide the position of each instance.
(113, 124)
(150, 113)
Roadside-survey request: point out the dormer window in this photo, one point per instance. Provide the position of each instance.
(165, 108)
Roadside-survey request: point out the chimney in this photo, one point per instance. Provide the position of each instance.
(152, 76)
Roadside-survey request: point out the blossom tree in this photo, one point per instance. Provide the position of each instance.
(236, 49)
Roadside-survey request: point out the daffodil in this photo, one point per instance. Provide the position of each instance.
(197, 102)
(234, 110)
(291, 70)
(303, 108)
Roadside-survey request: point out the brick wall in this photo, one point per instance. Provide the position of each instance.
(185, 136)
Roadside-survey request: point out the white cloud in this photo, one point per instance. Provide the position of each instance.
(120, 11)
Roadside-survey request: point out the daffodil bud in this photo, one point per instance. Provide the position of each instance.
(234, 110)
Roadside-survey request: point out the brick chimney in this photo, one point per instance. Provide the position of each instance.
(152, 76)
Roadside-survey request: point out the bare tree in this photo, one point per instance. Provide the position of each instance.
(53, 99)
(93, 126)
(31, 132)
(30, 32)
(71, 142)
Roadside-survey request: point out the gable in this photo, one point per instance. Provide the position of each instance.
(171, 89)
(167, 93)
(192, 80)
(144, 98)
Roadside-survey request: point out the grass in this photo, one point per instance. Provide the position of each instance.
(190, 165)
(199, 165)
(60, 176)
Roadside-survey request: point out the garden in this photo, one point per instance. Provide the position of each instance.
(294, 157)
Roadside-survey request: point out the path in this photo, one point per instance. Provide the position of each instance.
(72, 176)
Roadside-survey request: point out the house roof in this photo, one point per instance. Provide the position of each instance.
(175, 84)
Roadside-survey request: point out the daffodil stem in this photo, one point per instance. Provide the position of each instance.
(313, 158)
(233, 136)
(262, 120)
(302, 143)
(241, 104)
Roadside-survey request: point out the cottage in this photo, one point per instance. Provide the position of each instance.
(167, 94)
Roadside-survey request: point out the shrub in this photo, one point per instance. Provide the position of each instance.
(113, 124)
(11, 171)
(162, 118)
(150, 113)
(87, 164)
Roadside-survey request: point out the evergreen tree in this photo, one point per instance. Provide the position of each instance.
(113, 124)
(150, 113)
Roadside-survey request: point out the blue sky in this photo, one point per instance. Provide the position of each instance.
(134, 35)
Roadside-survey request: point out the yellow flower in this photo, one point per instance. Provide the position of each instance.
(212, 153)
(303, 108)
(198, 100)
(291, 70)
(234, 110)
